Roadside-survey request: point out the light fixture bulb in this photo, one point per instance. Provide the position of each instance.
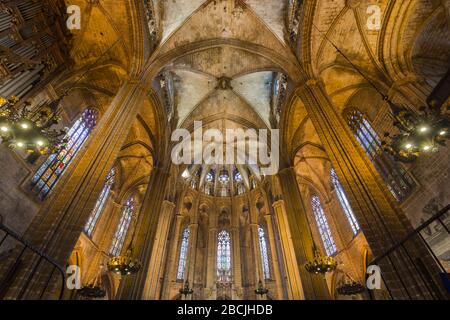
(423, 129)
(40, 143)
(20, 144)
(426, 148)
(443, 132)
(408, 146)
(4, 129)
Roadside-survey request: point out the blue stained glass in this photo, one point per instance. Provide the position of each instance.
(99, 205)
(122, 228)
(264, 253)
(183, 254)
(344, 203)
(322, 225)
(53, 168)
(224, 256)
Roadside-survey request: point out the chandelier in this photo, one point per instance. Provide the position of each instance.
(29, 128)
(350, 289)
(418, 133)
(94, 290)
(124, 265)
(186, 290)
(261, 290)
(321, 264)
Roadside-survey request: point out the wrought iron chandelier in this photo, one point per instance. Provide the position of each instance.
(321, 264)
(124, 265)
(350, 289)
(261, 290)
(418, 132)
(94, 290)
(186, 290)
(30, 128)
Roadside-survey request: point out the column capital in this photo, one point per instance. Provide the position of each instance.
(286, 169)
(117, 204)
(179, 216)
(168, 203)
(278, 203)
(268, 216)
(138, 82)
(308, 84)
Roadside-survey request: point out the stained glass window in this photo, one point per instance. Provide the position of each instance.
(264, 252)
(322, 225)
(210, 176)
(54, 167)
(224, 256)
(122, 228)
(100, 204)
(183, 254)
(344, 202)
(397, 179)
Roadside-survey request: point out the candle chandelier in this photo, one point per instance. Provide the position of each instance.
(261, 290)
(350, 288)
(321, 264)
(418, 132)
(186, 290)
(95, 289)
(124, 265)
(30, 128)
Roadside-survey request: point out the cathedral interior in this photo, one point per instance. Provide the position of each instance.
(98, 209)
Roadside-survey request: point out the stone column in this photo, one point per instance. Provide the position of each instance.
(104, 233)
(61, 219)
(192, 251)
(259, 274)
(133, 287)
(274, 256)
(172, 263)
(211, 262)
(295, 288)
(192, 255)
(106, 237)
(380, 218)
(152, 290)
(236, 259)
(314, 286)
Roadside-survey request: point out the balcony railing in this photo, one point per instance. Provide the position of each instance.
(436, 240)
(14, 251)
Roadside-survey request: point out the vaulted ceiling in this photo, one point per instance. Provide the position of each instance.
(411, 46)
(221, 58)
(226, 83)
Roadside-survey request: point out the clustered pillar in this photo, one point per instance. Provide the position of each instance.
(378, 214)
(60, 221)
